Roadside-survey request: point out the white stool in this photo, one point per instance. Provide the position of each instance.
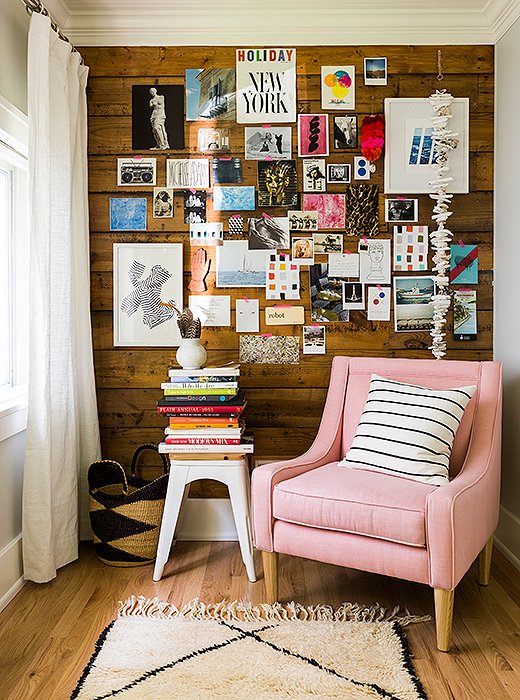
(230, 471)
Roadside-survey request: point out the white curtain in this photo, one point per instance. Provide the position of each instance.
(62, 429)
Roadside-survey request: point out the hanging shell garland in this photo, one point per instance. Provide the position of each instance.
(444, 141)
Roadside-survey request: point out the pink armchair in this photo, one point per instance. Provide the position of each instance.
(311, 507)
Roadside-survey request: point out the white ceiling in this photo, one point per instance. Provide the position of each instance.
(282, 22)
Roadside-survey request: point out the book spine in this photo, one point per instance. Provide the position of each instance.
(213, 371)
(201, 410)
(208, 421)
(237, 449)
(187, 379)
(205, 426)
(202, 441)
(216, 433)
(200, 392)
(199, 385)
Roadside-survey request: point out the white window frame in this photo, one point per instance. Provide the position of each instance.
(13, 156)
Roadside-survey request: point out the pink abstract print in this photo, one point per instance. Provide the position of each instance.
(330, 208)
(313, 135)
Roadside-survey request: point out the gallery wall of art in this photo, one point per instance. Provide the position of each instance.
(148, 187)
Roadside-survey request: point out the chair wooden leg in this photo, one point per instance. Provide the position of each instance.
(484, 563)
(443, 617)
(270, 562)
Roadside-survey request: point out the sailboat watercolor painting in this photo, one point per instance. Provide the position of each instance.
(237, 266)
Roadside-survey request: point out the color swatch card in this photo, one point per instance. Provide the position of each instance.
(464, 264)
(378, 307)
(283, 277)
(410, 248)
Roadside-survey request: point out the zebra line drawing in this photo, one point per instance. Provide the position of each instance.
(147, 295)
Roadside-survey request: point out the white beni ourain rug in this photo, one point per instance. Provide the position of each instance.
(239, 651)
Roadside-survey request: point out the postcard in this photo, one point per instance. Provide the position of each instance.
(375, 72)
(338, 173)
(314, 340)
(465, 314)
(157, 117)
(326, 296)
(330, 208)
(406, 210)
(410, 248)
(207, 234)
(361, 168)
(302, 221)
(247, 315)
(269, 349)
(345, 132)
(378, 305)
(237, 266)
(338, 87)
(413, 305)
(325, 243)
(210, 94)
(268, 232)
(234, 198)
(212, 310)
(236, 225)
(128, 213)
(162, 202)
(375, 263)
(464, 264)
(344, 264)
(266, 86)
(284, 316)
(268, 142)
(226, 171)
(136, 171)
(353, 295)
(283, 277)
(302, 250)
(314, 175)
(362, 206)
(213, 140)
(313, 135)
(187, 173)
(277, 184)
(194, 207)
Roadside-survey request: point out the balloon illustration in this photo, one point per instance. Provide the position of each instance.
(339, 83)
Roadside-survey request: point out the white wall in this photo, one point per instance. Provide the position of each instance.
(507, 256)
(14, 23)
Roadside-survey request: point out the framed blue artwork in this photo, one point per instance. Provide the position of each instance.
(128, 213)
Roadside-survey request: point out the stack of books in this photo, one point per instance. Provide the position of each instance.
(205, 408)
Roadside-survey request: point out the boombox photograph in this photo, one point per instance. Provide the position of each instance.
(136, 171)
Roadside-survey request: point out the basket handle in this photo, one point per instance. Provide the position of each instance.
(142, 448)
(106, 472)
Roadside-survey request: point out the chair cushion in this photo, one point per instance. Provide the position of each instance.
(355, 501)
(408, 430)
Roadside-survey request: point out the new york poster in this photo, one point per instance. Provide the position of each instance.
(266, 86)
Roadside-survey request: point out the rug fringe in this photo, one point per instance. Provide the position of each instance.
(139, 606)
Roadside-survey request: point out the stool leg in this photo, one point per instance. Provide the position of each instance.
(237, 482)
(172, 505)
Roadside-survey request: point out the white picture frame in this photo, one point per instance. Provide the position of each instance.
(404, 115)
(137, 323)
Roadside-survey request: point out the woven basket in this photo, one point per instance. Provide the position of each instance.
(126, 511)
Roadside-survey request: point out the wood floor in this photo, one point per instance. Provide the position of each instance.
(47, 633)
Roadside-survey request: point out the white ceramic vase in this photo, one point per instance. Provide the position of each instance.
(191, 354)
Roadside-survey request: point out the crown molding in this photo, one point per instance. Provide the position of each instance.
(501, 15)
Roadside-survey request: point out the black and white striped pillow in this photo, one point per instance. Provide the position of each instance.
(407, 430)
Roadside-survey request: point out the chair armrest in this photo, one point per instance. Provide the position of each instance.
(325, 448)
(463, 515)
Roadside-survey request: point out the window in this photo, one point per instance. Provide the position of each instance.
(6, 189)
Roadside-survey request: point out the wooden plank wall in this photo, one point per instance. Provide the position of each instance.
(285, 402)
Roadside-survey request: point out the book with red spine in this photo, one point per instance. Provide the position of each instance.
(205, 421)
(218, 409)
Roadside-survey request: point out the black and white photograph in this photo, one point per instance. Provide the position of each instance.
(325, 243)
(266, 233)
(268, 142)
(162, 203)
(194, 207)
(353, 296)
(314, 175)
(226, 171)
(338, 173)
(187, 173)
(375, 71)
(345, 132)
(277, 184)
(210, 140)
(401, 210)
(157, 117)
(314, 340)
(302, 221)
(237, 266)
(136, 172)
